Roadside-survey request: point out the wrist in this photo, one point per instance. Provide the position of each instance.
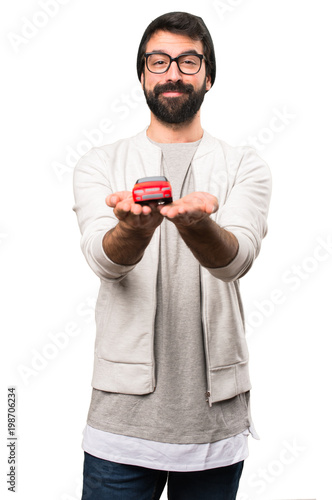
(126, 231)
(193, 225)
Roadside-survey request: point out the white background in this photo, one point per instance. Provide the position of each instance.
(63, 74)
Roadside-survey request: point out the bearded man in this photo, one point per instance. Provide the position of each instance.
(171, 387)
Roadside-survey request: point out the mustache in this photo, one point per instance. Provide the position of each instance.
(173, 87)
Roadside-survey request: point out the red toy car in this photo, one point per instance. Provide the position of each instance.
(152, 189)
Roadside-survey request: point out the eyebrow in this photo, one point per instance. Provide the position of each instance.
(190, 51)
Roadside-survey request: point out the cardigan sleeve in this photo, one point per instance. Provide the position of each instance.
(244, 214)
(95, 218)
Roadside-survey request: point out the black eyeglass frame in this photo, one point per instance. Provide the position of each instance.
(171, 59)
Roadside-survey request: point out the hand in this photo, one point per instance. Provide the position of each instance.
(190, 209)
(133, 215)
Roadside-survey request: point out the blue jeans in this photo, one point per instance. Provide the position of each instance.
(104, 480)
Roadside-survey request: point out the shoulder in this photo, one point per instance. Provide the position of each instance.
(215, 144)
(104, 153)
(235, 158)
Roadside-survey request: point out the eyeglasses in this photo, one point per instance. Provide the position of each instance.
(188, 64)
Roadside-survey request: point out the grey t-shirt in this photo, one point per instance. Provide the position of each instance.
(177, 411)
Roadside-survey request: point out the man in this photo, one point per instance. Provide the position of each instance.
(170, 399)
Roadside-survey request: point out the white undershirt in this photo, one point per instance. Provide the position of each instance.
(164, 456)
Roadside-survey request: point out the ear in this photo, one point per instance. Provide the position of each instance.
(208, 83)
(142, 79)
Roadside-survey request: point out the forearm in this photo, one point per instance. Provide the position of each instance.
(125, 245)
(212, 246)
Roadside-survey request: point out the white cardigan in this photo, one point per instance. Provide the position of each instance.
(125, 310)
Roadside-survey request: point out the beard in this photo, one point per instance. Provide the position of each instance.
(175, 110)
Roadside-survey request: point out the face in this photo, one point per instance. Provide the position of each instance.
(174, 97)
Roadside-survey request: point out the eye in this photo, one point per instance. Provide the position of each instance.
(188, 61)
(158, 60)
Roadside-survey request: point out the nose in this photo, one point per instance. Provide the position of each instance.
(173, 72)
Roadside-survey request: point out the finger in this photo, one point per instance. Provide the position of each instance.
(122, 209)
(172, 212)
(210, 208)
(136, 209)
(213, 205)
(146, 210)
(113, 199)
(165, 210)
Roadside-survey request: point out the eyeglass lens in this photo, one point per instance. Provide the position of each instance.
(159, 63)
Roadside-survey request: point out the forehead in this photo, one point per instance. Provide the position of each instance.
(173, 44)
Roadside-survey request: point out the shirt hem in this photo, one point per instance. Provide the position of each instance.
(165, 467)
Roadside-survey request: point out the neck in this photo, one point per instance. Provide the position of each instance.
(168, 132)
